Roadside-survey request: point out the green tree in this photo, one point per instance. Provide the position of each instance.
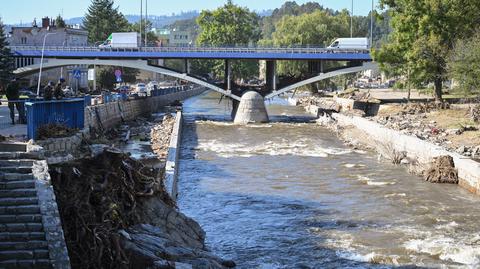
(7, 63)
(310, 29)
(229, 25)
(464, 64)
(60, 22)
(102, 19)
(424, 32)
(151, 36)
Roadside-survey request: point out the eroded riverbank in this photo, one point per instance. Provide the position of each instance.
(292, 195)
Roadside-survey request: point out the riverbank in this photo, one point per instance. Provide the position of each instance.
(415, 143)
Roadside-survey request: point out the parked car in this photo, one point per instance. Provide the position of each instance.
(141, 89)
(28, 93)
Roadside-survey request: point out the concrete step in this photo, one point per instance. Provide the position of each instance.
(19, 155)
(19, 209)
(26, 264)
(16, 169)
(24, 218)
(24, 245)
(21, 236)
(14, 176)
(24, 254)
(12, 185)
(21, 227)
(13, 147)
(18, 193)
(17, 162)
(18, 201)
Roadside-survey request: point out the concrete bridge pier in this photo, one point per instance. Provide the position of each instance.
(251, 109)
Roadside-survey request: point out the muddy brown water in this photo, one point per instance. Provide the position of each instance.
(290, 195)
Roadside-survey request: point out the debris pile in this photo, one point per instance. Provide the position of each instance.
(54, 130)
(442, 170)
(116, 214)
(160, 135)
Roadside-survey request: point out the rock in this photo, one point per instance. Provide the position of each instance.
(442, 170)
(454, 131)
(461, 149)
(405, 161)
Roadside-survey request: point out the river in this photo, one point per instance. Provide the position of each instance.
(290, 195)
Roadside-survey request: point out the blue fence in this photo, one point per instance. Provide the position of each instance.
(170, 90)
(70, 112)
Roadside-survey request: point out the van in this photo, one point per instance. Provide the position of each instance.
(356, 43)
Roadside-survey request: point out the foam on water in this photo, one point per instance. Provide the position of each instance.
(395, 195)
(272, 148)
(353, 165)
(447, 249)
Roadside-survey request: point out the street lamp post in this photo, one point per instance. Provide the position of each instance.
(351, 22)
(371, 26)
(41, 61)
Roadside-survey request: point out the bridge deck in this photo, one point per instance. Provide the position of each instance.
(195, 53)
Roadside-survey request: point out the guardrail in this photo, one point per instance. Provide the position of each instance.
(308, 50)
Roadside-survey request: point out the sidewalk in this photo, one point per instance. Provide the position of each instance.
(17, 131)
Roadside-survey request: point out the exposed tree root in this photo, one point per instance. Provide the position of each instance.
(96, 198)
(442, 170)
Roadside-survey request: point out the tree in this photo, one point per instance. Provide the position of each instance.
(102, 19)
(59, 22)
(310, 29)
(151, 36)
(464, 64)
(229, 25)
(424, 33)
(7, 63)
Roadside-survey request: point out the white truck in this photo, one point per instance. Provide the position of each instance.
(356, 43)
(122, 40)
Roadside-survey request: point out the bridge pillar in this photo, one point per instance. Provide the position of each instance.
(187, 66)
(228, 75)
(251, 109)
(271, 75)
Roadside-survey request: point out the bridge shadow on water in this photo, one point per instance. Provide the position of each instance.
(261, 230)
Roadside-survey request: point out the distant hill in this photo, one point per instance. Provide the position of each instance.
(158, 21)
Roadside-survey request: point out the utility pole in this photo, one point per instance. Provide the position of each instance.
(141, 18)
(371, 26)
(351, 21)
(146, 21)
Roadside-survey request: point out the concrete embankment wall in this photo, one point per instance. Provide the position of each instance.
(106, 116)
(415, 148)
(171, 167)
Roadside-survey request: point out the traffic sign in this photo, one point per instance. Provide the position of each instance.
(118, 73)
(77, 73)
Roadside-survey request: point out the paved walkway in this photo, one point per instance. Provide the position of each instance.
(18, 131)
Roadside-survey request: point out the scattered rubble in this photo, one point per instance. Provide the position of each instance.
(160, 135)
(475, 113)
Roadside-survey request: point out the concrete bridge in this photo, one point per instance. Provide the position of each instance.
(143, 59)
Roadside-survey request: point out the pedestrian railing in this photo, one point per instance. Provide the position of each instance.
(68, 112)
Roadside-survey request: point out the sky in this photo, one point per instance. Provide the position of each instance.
(17, 11)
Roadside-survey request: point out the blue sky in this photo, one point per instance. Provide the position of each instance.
(25, 10)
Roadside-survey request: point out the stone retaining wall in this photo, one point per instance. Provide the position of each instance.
(415, 148)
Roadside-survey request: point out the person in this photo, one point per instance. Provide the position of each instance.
(48, 91)
(58, 93)
(13, 96)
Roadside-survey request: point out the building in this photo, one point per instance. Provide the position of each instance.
(70, 36)
(174, 37)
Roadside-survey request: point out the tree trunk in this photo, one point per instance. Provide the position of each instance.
(438, 90)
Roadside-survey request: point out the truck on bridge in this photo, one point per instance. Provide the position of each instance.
(356, 43)
(122, 40)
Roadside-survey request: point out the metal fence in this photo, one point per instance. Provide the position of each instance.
(291, 49)
(69, 112)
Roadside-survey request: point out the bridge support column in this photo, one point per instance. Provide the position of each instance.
(228, 75)
(271, 76)
(187, 67)
(251, 109)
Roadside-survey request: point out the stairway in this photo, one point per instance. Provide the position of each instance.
(23, 240)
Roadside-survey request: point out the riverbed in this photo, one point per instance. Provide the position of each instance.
(290, 194)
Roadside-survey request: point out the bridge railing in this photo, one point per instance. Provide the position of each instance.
(293, 49)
